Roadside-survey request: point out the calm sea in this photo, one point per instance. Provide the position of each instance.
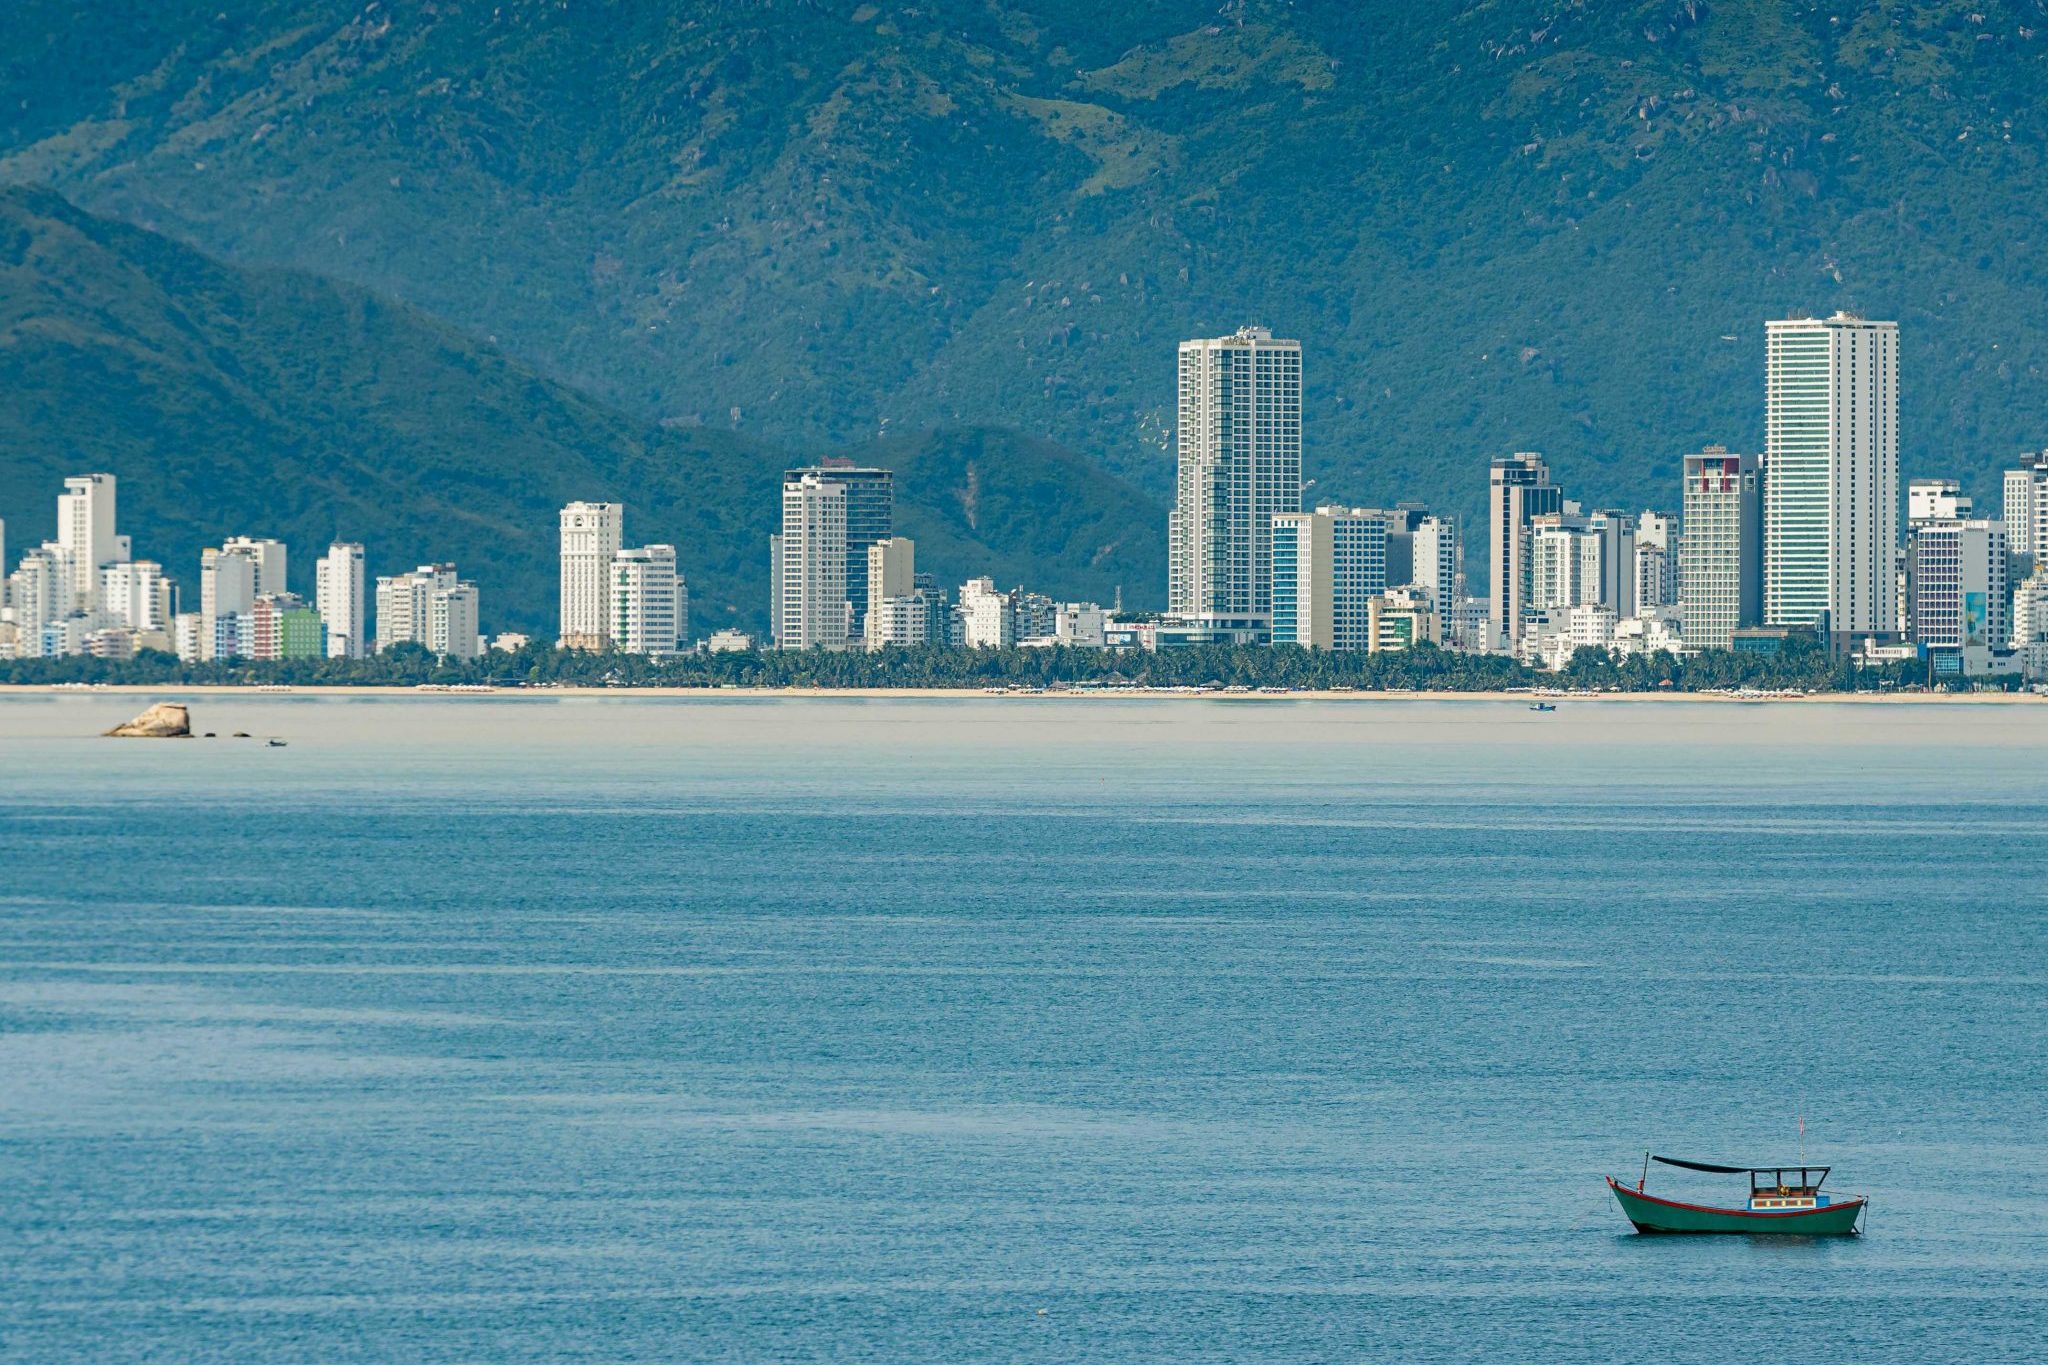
(500, 1029)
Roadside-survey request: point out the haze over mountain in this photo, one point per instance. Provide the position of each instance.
(1518, 224)
(270, 402)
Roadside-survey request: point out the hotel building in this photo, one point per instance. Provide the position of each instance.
(1831, 476)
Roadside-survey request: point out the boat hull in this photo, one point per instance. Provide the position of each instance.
(1651, 1214)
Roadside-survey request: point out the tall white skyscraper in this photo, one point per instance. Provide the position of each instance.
(268, 556)
(648, 608)
(809, 565)
(85, 532)
(591, 537)
(1239, 433)
(338, 596)
(1831, 475)
(870, 517)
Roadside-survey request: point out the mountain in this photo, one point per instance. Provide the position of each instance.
(272, 402)
(1495, 224)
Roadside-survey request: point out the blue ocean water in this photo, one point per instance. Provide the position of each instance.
(741, 1029)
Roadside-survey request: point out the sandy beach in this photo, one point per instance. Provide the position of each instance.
(1020, 694)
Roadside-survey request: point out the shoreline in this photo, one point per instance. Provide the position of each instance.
(976, 693)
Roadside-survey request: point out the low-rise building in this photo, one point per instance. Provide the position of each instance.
(1398, 619)
(1654, 630)
(1075, 625)
(729, 641)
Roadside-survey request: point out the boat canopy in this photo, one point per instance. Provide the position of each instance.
(1753, 1171)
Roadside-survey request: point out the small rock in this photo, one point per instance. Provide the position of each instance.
(164, 720)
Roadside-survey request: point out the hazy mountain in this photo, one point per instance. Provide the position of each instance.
(271, 402)
(1516, 223)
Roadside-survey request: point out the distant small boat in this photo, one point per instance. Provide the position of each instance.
(1777, 1206)
(277, 744)
(1544, 706)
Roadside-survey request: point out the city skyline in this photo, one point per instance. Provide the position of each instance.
(1826, 547)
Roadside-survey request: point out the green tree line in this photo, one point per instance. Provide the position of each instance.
(1800, 666)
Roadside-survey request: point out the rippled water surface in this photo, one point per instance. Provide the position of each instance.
(480, 1028)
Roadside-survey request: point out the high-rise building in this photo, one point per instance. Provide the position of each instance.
(590, 539)
(233, 635)
(1303, 580)
(452, 622)
(1565, 562)
(1831, 476)
(891, 574)
(338, 596)
(85, 532)
(810, 606)
(2026, 507)
(1657, 551)
(1403, 520)
(2030, 623)
(227, 587)
(870, 516)
(1615, 531)
(40, 591)
(891, 568)
(1519, 490)
(136, 595)
(942, 623)
(649, 610)
(1328, 565)
(429, 607)
(268, 557)
(1958, 576)
(1239, 434)
(1720, 577)
(988, 618)
(1437, 565)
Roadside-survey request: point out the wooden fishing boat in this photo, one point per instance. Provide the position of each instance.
(1783, 1201)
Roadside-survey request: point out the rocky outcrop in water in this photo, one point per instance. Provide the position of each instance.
(165, 720)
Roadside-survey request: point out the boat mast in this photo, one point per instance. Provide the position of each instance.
(1646, 1173)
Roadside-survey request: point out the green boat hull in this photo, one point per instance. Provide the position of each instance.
(1650, 1214)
